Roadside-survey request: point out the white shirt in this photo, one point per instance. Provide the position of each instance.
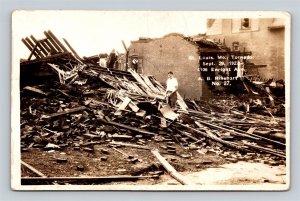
(172, 84)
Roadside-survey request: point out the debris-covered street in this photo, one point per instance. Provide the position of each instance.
(86, 124)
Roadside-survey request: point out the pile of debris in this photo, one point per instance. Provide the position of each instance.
(87, 106)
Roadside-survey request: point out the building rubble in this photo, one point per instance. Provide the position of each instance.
(108, 113)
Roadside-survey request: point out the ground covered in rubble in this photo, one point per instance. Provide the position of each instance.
(106, 123)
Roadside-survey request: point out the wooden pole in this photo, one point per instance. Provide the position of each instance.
(71, 48)
(57, 41)
(171, 169)
(37, 43)
(33, 170)
(53, 42)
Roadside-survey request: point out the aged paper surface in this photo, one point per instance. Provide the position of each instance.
(150, 100)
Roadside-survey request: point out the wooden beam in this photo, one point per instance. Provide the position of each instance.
(266, 150)
(53, 50)
(57, 41)
(43, 50)
(30, 48)
(33, 45)
(127, 127)
(72, 49)
(242, 133)
(213, 137)
(67, 111)
(94, 179)
(35, 90)
(130, 145)
(53, 42)
(41, 175)
(45, 46)
(170, 169)
(32, 53)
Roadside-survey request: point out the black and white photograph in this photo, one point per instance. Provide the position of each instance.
(150, 100)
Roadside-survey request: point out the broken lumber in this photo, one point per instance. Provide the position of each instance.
(124, 154)
(130, 145)
(35, 90)
(41, 175)
(242, 133)
(168, 113)
(149, 83)
(94, 179)
(189, 135)
(127, 127)
(67, 111)
(123, 105)
(170, 169)
(263, 149)
(213, 137)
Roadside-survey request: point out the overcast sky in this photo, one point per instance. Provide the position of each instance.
(93, 32)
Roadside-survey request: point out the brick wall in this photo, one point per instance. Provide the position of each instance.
(171, 53)
(267, 46)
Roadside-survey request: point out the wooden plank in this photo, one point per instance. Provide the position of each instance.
(242, 133)
(141, 81)
(127, 127)
(53, 50)
(35, 90)
(41, 175)
(158, 85)
(149, 84)
(266, 150)
(251, 130)
(32, 53)
(57, 41)
(33, 45)
(212, 137)
(121, 152)
(45, 46)
(72, 49)
(123, 105)
(30, 48)
(44, 51)
(168, 113)
(130, 145)
(189, 135)
(52, 41)
(67, 111)
(181, 102)
(99, 179)
(170, 169)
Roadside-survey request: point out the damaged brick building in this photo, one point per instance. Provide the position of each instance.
(173, 52)
(263, 37)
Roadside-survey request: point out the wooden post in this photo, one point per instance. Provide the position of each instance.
(33, 169)
(171, 169)
(39, 46)
(53, 42)
(52, 48)
(30, 48)
(33, 45)
(71, 48)
(57, 41)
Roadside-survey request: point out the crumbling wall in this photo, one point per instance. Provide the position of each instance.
(171, 53)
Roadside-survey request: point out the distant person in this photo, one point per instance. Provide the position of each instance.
(171, 92)
(135, 63)
(102, 62)
(112, 59)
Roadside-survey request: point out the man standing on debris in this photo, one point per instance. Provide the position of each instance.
(171, 92)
